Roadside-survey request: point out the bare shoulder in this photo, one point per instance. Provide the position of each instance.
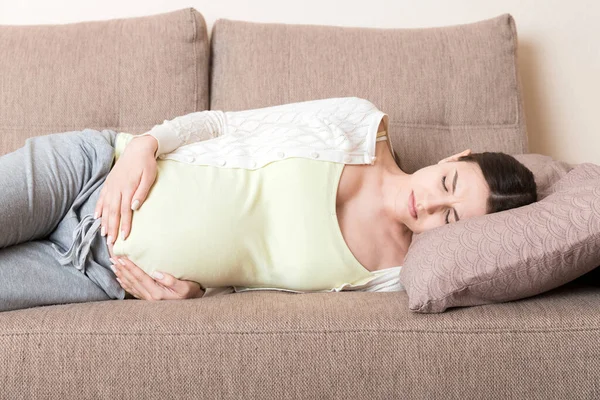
(354, 176)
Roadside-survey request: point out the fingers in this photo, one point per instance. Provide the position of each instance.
(105, 213)
(166, 287)
(114, 211)
(117, 212)
(98, 209)
(129, 282)
(185, 289)
(182, 288)
(129, 290)
(131, 201)
(125, 215)
(143, 188)
(111, 251)
(137, 280)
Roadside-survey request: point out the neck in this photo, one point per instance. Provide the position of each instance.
(391, 181)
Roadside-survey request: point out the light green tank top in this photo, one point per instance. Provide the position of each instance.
(274, 227)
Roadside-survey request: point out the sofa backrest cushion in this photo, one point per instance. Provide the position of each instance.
(121, 74)
(445, 89)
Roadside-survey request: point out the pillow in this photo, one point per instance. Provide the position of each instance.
(511, 254)
(546, 171)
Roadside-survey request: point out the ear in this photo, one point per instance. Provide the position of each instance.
(455, 157)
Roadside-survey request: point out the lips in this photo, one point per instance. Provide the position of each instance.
(411, 205)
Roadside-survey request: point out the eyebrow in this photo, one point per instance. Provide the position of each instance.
(453, 189)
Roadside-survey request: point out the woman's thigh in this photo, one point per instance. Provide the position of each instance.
(31, 276)
(49, 190)
(48, 177)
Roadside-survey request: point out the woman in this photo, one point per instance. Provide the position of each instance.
(302, 196)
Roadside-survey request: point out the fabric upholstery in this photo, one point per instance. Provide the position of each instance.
(510, 254)
(122, 74)
(546, 171)
(445, 89)
(318, 346)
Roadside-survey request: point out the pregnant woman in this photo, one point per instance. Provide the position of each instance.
(300, 197)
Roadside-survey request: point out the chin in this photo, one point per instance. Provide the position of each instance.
(414, 230)
(418, 229)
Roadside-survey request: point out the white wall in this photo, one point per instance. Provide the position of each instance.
(559, 45)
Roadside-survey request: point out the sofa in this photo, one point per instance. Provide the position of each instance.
(444, 88)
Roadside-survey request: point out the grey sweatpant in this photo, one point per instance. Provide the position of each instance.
(51, 250)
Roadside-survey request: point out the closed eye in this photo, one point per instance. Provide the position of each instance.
(444, 185)
(456, 218)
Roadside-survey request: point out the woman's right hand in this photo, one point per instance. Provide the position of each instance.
(129, 180)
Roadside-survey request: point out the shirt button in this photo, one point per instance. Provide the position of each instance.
(222, 162)
(314, 154)
(347, 158)
(280, 154)
(192, 159)
(252, 163)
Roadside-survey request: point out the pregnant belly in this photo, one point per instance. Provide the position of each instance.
(182, 244)
(181, 228)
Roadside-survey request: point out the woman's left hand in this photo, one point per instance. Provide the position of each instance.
(142, 286)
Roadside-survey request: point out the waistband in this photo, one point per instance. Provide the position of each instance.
(83, 236)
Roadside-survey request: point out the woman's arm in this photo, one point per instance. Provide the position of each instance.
(197, 126)
(186, 129)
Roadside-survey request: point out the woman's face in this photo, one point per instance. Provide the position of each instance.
(445, 193)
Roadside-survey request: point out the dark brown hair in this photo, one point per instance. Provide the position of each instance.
(511, 183)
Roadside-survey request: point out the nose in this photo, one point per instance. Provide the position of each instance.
(433, 204)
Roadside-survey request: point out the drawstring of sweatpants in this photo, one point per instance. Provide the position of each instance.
(82, 241)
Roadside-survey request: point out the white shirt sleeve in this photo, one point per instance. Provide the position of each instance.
(196, 126)
(186, 129)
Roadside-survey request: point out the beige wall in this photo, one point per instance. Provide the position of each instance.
(559, 45)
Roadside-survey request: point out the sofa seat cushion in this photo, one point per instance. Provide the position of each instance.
(342, 345)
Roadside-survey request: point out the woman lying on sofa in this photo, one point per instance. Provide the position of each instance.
(302, 197)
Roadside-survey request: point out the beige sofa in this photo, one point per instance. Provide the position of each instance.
(445, 89)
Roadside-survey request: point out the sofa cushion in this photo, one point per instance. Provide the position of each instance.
(445, 89)
(267, 345)
(122, 74)
(511, 254)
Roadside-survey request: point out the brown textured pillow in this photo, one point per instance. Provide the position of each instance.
(510, 254)
(545, 170)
